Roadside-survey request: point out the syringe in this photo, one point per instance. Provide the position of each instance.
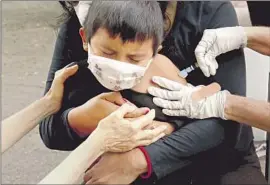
(184, 73)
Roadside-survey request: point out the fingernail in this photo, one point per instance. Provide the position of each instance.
(71, 64)
(150, 89)
(146, 110)
(154, 78)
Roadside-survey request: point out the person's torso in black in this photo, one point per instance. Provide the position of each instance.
(192, 18)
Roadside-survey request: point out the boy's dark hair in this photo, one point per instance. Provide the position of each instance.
(131, 20)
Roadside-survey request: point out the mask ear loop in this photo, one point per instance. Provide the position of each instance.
(89, 49)
(148, 64)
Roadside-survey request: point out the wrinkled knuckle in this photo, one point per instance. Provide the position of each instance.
(151, 135)
(117, 118)
(65, 70)
(58, 72)
(134, 139)
(148, 142)
(132, 128)
(59, 77)
(126, 122)
(113, 116)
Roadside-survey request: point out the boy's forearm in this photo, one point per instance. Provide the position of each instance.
(25, 120)
(85, 118)
(249, 111)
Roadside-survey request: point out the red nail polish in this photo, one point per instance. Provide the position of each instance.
(146, 111)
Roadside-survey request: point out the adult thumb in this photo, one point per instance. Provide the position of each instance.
(69, 71)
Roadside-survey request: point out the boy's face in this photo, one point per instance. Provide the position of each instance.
(138, 53)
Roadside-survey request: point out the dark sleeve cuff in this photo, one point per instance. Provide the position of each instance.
(149, 164)
(75, 135)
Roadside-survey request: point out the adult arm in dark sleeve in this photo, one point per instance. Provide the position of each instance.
(167, 155)
(54, 130)
(172, 152)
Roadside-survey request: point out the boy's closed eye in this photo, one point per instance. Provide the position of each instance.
(107, 53)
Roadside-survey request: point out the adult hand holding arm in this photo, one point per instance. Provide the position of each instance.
(188, 102)
(222, 40)
(19, 124)
(84, 119)
(115, 134)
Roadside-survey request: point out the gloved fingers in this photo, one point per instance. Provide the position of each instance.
(167, 104)
(168, 84)
(215, 63)
(164, 94)
(201, 60)
(205, 70)
(200, 52)
(205, 53)
(205, 43)
(175, 112)
(211, 64)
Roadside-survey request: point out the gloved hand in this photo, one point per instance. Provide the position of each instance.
(215, 42)
(178, 100)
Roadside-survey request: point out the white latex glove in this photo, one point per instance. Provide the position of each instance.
(177, 100)
(215, 42)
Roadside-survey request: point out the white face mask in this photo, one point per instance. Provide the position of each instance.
(113, 74)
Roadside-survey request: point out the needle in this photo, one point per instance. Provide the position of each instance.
(184, 73)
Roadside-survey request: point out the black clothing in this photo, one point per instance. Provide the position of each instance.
(238, 169)
(259, 12)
